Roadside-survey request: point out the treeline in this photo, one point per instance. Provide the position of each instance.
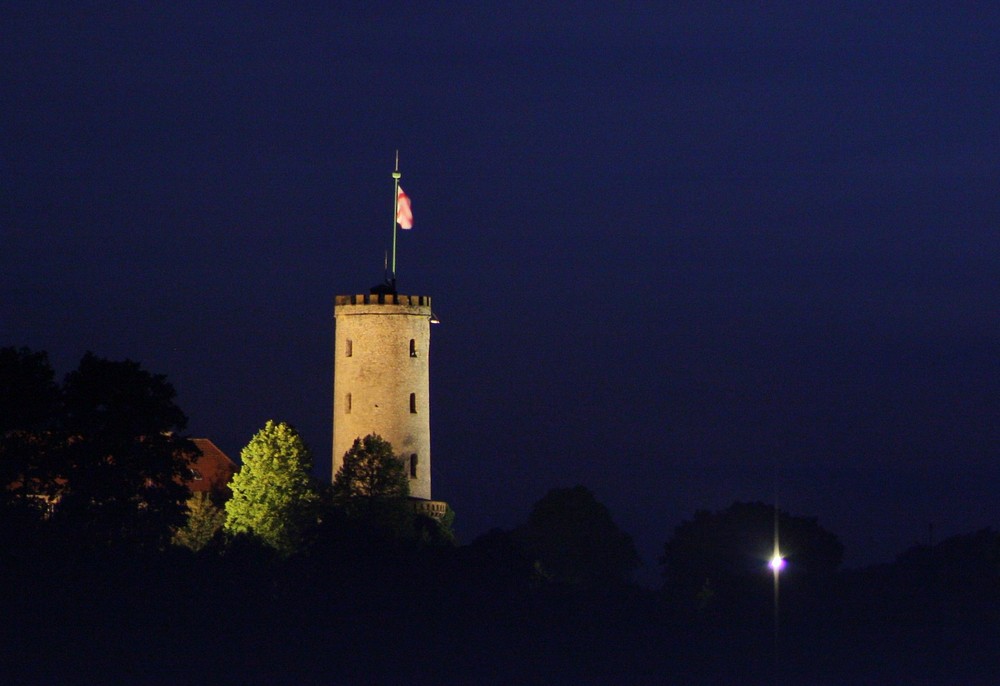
(358, 591)
(351, 608)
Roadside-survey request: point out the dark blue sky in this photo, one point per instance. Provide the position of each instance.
(674, 250)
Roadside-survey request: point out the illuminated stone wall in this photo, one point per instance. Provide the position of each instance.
(381, 378)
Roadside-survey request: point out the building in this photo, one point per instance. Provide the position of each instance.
(381, 381)
(211, 471)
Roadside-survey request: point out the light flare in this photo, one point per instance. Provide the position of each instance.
(777, 563)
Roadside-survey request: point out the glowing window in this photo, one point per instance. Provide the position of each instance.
(347, 404)
(413, 466)
(413, 403)
(349, 347)
(413, 347)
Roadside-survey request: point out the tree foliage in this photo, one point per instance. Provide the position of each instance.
(124, 461)
(30, 401)
(273, 496)
(372, 490)
(370, 471)
(29, 396)
(722, 557)
(574, 539)
(102, 452)
(205, 520)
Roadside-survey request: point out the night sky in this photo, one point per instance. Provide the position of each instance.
(679, 255)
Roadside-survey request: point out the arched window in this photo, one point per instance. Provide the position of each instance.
(349, 347)
(413, 347)
(413, 403)
(347, 404)
(413, 466)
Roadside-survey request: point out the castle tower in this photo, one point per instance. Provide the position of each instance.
(381, 380)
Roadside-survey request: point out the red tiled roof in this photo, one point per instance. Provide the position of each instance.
(212, 471)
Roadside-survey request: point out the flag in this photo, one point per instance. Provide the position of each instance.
(404, 215)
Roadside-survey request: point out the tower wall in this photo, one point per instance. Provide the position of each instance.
(381, 378)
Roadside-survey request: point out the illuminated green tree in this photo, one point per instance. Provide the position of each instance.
(205, 520)
(273, 496)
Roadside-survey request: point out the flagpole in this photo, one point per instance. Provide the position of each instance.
(395, 209)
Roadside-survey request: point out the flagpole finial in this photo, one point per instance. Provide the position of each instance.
(395, 174)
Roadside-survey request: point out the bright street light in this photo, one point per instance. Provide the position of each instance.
(777, 562)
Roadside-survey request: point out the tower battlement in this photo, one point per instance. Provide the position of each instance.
(383, 299)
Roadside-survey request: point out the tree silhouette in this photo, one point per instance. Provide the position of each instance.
(721, 558)
(370, 471)
(372, 489)
(122, 464)
(30, 402)
(29, 396)
(574, 539)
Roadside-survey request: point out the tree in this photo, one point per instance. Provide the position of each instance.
(372, 489)
(29, 414)
(433, 530)
(273, 496)
(954, 578)
(29, 396)
(370, 471)
(205, 520)
(721, 558)
(574, 539)
(100, 455)
(120, 469)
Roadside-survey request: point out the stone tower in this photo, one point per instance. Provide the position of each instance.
(381, 381)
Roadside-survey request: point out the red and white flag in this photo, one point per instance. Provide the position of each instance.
(404, 214)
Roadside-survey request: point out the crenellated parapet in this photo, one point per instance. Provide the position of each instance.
(435, 509)
(383, 299)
